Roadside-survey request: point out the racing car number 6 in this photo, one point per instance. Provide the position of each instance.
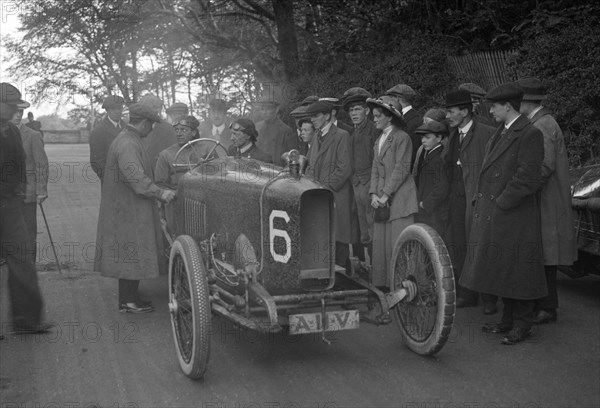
(276, 232)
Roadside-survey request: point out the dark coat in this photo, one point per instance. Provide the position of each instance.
(432, 190)
(276, 138)
(504, 256)
(558, 235)
(253, 153)
(363, 140)
(160, 138)
(100, 139)
(344, 126)
(329, 164)
(129, 241)
(413, 120)
(224, 137)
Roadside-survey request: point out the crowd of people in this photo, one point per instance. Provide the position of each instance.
(487, 170)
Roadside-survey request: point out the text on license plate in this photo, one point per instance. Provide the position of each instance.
(334, 321)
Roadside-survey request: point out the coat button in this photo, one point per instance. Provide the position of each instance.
(488, 218)
(479, 195)
(476, 215)
(492, 197)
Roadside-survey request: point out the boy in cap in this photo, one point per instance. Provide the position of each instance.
(505, 251)
(558, 238)
(162, 134)
(25, 296)
(129, 238)
(431, 178)
(105, 132)
(405, 95)
(218, 125)
(274, 136)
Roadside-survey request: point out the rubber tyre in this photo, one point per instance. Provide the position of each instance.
(191, 322)
(425, 322)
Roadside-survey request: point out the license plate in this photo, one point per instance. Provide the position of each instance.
(334, 321)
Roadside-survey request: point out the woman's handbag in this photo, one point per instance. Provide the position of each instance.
(382, 214)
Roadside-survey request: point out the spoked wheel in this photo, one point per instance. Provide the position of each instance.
(189, 305)
(421, 256)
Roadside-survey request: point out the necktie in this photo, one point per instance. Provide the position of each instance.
(500, 136)
(461, 136)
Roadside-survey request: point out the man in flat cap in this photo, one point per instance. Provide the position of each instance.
(464, 156)
(405, 96)
(162, 134)
(558, 238)
(481, 107)
(176, 111)
(337, 110)
(36, 167)
(25, 297)
(105, 132)
(274, 136)
(129, 243)
(504, 256)
(329, 162)
(217, 125)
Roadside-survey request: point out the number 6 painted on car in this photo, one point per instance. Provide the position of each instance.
(275, 232)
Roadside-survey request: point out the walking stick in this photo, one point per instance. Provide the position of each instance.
(50, 236)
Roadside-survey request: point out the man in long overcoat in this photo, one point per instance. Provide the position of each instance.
(463, 157)
(129, 243)
(329, 163)
(504, 257)
(162, 134)
(558, 236)
(105, 132)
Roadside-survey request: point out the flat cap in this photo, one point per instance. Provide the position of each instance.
(309, 99)
(401, 90)
(388, 103)
(473, 89)
(23, 105)
(299, 112)
(457, 98)
(113, 102)
(10, 94)
(152, 101)
(142, 111)
(505, 93)
(533, 89)
(431, 126)
(319, 107)
(355, 94)
(335, 102)
(218, 105)
(178, 107)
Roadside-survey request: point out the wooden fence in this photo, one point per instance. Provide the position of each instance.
(486, 69)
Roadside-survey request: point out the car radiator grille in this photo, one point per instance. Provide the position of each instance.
(195, 218)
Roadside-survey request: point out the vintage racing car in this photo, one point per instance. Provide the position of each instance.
(254, 243)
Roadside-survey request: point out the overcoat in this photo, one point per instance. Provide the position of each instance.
(160, 138)
(391, 174)
(329, 164)
(101, 137)
(276, 138)
(165, 174)
(504, 255)
(36, 164)
(129, 242)
(432, 190)
(413, 120)
(558, 236)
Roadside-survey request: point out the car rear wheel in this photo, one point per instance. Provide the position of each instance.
(189, 306)
(420, 256)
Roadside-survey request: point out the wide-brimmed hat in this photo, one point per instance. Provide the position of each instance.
(505, 93)
(113, 102)
(388, 103)
(473, 89)
(533, 89)
(432, 126)
(178, 107)
(402, 90)
(189, 121)
(142, 111)
(457, 98)
(9, 94)
(246, 126)
(319, 107)
(354, 95)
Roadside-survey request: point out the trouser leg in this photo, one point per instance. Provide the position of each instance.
(488, 298)
(30, 218)
(523, 313)
(128, 290)
(359, 251)
(342, 254)
(549, 302)
(507, 313)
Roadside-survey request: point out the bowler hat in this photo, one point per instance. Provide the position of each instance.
(388, 103)
(218, 105)
(401, 90)
(432, 126)
(457, 98)
(533, 89)
(355, 94)
(246, 126)
(142, 111)
(299, 112)
(9, 94)
(505, 93)
(178, 107)
(473, 89)
(309, 99)
(113, 102)
(319, 107)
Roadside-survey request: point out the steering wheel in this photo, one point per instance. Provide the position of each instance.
(202, 157)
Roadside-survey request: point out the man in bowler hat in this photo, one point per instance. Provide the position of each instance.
(105, 132)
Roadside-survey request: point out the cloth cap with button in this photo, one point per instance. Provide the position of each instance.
(335, 102)
(319, 107)
(178, 107)
(533, 89)
(23, 105)
(218, 105)
(246, 126)
(141, 111)
(473, 89)
(299, 112)
(401, 90)
(113, 102)
(10, 94)
(432, 126)
(505, 93)
(457, 98)
(309, 100)
(355, 94)
(152, 101)
(188, 121)
(388, 103)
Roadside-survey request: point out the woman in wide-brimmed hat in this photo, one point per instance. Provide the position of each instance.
(392, 184)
